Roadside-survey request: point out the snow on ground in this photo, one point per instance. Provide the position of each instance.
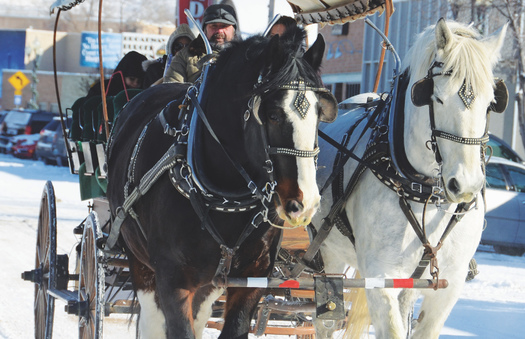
(491, 306)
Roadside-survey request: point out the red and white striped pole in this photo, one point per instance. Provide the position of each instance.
(309, 283)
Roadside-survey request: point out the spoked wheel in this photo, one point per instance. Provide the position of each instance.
(91, 281)
(45, 264)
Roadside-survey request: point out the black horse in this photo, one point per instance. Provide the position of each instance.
(251, 162)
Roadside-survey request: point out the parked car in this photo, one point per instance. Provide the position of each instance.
(58, 147)
(505, 197)
(50, 147)
(2, 116)
(22, 121)
(503, 150)
(23, 145)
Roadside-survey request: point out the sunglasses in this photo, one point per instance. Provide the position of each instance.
(178, 46)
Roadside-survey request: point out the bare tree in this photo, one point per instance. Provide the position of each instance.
(513, 11)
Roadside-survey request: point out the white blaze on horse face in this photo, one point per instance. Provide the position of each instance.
(152, 323)
(304, 138)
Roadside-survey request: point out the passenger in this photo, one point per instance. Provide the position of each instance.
(154, 69)
(219, 25)
(129, 67)
(281, 25)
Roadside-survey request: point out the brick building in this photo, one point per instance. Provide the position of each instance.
(342, 63)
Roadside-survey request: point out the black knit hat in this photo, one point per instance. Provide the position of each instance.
(131, 65)
(220, 13)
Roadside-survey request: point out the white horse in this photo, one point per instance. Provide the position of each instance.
(448, 71)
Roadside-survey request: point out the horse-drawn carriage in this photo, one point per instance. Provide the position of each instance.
(202, 177)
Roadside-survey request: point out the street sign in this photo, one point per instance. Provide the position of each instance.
(18, 81)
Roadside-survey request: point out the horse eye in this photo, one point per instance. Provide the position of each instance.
(275, 116)
(439, 101)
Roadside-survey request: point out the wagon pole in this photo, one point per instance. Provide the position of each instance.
(389, 10)
(101, 66)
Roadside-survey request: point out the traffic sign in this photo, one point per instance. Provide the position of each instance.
(19, 80)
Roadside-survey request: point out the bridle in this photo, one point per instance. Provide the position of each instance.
(424, 89)
(467, 97)
(302, 105)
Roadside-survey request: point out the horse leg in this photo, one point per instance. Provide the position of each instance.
(175, 295)
(384, 307)
(434, 311)
(202, 307)
(407, 298)
(152, 323)
(240, 307)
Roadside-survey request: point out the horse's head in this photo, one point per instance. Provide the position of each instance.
(452, 91)
(288, 103)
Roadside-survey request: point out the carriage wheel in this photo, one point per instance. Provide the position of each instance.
(45, 264)
(91, 281)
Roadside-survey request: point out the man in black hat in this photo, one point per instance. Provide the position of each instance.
(219, 25)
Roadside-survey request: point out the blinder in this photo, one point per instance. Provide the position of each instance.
(501, 97)
(327, 101)
(328, 104)
(422, 92)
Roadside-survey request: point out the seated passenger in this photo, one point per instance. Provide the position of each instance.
(129, 67)
(154, 69)
(281, 25)
(219, 25)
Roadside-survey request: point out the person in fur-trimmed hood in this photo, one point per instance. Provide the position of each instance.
(220, 26)
(154, 69)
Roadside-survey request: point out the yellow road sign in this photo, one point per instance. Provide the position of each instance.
(19, 80)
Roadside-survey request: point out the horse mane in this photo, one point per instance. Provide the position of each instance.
(467, 57)
(287, 65)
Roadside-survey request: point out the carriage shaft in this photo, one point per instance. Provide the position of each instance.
(309, 283)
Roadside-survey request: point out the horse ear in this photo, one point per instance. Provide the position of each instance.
(422, 92)
(494, 42)
(501, 97)
(314, 55)
(443, 34)
(328, 107)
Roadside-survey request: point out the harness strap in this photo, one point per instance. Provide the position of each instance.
(251, 184)
(429, 254)
(319, 238)
(343, 153)
(168, 160)
(312, 250)
(223, 269)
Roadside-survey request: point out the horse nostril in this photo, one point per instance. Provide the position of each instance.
(453, 185)
(293, 206)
